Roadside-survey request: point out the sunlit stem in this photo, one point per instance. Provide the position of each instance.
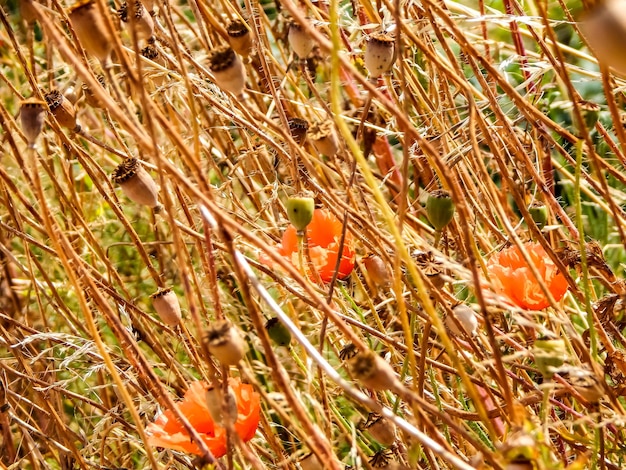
(300, 236)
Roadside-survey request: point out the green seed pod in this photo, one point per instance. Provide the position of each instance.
(549, 355)
(539, 213)
(440, 209)
(300, 211)
(278, 332)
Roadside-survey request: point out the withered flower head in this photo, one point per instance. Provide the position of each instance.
(91, 30)
(166, 304)
(239, 37)
(225, 342)
(379, 53)
(324, 138)
(300, 40)
(62, 110)
(136, 183)
(298, 128)
(143, 21)
(32, 117)
(228, 70)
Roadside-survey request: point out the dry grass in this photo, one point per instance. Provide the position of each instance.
(495, 108)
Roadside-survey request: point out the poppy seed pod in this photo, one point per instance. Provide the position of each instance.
(300, 211)
(28, 12)
(539, 213)
(324, 138)
(311, 462)
(381, 429)
(165, 302)
(604, 28)
(91, 30)
(150, 52)
(298, 129)
(440, 209)
(377, 270)
(215, 401)
(467, 319)
(300, 40)
(239, 37)
(225, 343)
(278, 332)
(136, 183)
(62, 110)
(90, 97)
(379, 54)
(228, 70)
(32, 117)
(144, 26)
(373, 372)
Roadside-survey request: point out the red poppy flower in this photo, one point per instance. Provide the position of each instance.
(167, 432)
(511, 276)
(323, 237)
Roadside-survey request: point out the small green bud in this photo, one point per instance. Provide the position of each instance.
(440, 208)
(300, 211)
(549, 355)
(539, 213)
(278, 332)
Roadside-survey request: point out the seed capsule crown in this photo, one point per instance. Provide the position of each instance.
(221, 58)
(237, 29)
(126, 170)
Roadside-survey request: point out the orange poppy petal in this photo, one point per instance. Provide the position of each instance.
(323, 236)
(512, 277)
(167, 432)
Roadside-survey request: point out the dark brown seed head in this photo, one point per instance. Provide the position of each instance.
(150, 52)
(298, 128)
